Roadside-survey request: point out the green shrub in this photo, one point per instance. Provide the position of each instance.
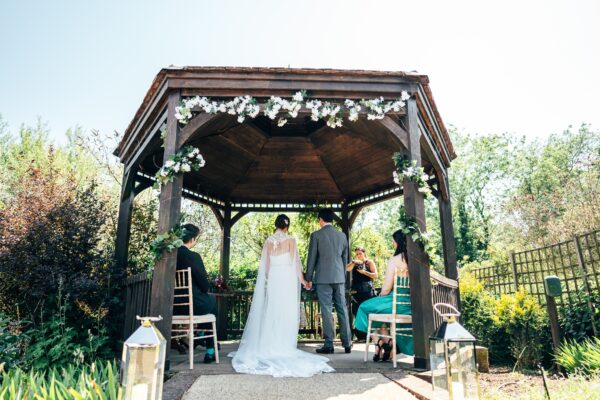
(95, 381)
(477, 310)
(580, 358)
(576, 318)
(11, 343)
(523, 320)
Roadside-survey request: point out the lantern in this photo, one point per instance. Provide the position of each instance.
(452, 356)
(143, 362)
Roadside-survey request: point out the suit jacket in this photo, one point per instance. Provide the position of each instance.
(327, 256)
(203, 302)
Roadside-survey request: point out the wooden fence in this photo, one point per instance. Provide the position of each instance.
(233, 307)
(576, 262)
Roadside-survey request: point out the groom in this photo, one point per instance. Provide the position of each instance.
(327, 257)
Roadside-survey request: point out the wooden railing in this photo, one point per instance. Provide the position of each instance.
(137, 301)
(235, 306)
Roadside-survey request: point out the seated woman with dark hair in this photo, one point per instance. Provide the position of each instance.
(383, 305)
(204, 302)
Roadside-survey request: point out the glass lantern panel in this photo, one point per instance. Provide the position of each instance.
(143, 372)
(463, 370)
(439, 373)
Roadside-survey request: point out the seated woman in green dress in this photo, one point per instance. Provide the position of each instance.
(382, 304)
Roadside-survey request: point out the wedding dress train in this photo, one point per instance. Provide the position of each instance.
(269, 342)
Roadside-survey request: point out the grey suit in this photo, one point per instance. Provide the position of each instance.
(327, 258)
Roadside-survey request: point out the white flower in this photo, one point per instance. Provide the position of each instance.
(405, 96)
(186, 168)
(195, 151)
(176, 167)
(298, 96)
(424, 177)
(241, 119)
(396, 178)
(201, 161)
(169, 163)
(222, 108)
(281, 122)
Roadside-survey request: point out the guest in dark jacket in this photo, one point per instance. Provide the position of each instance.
(204, 302)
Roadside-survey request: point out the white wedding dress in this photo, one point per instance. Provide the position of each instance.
(270, 339)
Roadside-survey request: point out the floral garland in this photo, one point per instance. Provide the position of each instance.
(407, 168)
(410, 227)
(167, 242)
(186, 159)
(282, 109)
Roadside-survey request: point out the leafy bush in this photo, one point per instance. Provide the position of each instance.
(11, 343)
(477, 316)
(95, 381)
(56, 343)
(576, 318)
(580, 358)
(513, 327)
(522, 319)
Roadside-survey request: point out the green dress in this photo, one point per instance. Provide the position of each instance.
(383, 305)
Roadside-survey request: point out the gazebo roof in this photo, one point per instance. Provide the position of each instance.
(303, 162)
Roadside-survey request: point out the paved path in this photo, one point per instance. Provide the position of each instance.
(353, 379)
(341, 386)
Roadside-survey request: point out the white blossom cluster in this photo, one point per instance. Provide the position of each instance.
(415, 174)
(184, 160)
(333, 113)
(330, 112)
(379, 107)
(242, 106)
(276, 104)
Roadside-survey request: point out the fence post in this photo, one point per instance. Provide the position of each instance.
(586, 284)
(513, 264)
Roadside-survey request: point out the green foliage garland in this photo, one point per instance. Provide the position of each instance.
(410, 227)
(167, 242)
(407, 168)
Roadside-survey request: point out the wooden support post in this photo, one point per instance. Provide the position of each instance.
(345, 222)
(448, 242)
(586, 283)
(224, 270)
(513, 266)
(122, 244)
(418, 262)
(161, 301)
(124, 222)
(553, 317)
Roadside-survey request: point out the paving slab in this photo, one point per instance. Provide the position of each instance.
(331, 386)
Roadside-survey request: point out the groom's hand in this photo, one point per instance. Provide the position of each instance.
(308, 285)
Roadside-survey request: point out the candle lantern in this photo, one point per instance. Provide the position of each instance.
(452, 358)
(143, 362)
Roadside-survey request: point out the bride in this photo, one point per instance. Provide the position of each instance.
(269, 342)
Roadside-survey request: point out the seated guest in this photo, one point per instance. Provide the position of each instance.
(364, 272)
(382, 304)
(204, 303)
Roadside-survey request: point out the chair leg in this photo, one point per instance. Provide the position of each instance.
(367, 341)
(215, 341)
(191, 343)
(394, 343)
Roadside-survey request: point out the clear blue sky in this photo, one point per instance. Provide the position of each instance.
(529, 67)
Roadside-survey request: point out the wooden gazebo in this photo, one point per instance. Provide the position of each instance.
(257, 165)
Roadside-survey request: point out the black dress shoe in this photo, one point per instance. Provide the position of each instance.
(208, 358)
(325, 350)
(348, 349)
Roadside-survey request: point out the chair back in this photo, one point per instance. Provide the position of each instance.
(400, 297)
(183, 290)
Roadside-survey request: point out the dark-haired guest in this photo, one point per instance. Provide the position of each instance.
(364, 272)
(382, 304)
(204, 302)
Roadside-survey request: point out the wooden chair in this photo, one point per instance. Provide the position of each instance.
(401, 282)
(183, 289)
(319, 323)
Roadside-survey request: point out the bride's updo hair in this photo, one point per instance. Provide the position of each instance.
(282, 221)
